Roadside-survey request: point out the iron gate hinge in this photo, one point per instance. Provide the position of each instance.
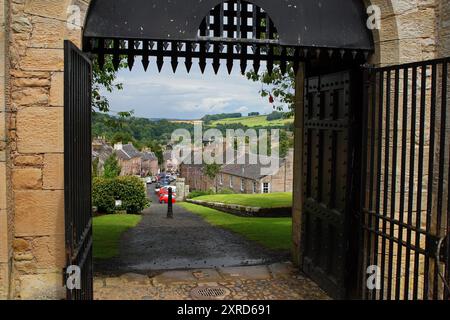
(436, 246)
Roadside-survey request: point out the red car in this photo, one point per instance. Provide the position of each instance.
(164, 198)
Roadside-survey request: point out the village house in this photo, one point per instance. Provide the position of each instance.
(101, 151)
(242, 178)
(170, 163)
(150, 165)
(135, 163)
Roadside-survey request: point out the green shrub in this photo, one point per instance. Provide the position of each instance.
(226, 191)
(130, 190)
(195, 194)
(103, 195)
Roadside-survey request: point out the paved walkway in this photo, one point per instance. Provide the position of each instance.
(185, 242)
(273, 282)
(162, 259)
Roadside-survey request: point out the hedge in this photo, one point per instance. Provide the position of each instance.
(130, 190)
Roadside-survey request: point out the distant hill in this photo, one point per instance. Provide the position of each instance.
(256, 121)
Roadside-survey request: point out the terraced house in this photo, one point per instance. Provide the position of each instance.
(372, 141)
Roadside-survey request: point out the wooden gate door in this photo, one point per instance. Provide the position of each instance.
(328, 167)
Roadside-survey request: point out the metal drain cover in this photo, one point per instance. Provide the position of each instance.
(209, 293)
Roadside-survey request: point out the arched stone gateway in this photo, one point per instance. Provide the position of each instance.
(32, 250)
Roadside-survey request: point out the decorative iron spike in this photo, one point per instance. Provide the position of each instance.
(145, 62)
(366, 55)
(270, 67)
(221, 47)
(207, 46)
(116, 62)
(180, 46)
(193, 46)
(318, 51)
(254, 48)
(202, 65)
(137, 44)
(305, 52)
(188, 64)
(101, 61)
(283, 66)
(216, 66)
(229, 66)
(151, 44)
(256, 66)
(238, 48)
(160, 62)
(165, 45)
(130, 61)
(243, 66)
(174, 64)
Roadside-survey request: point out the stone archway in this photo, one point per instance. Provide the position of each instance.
(31, 208)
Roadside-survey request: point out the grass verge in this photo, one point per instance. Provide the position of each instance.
(273, 233)
(107, 231)
(271, 200)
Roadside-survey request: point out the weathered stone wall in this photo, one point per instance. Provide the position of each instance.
(35, 132)
(5, 214)
(444, 28)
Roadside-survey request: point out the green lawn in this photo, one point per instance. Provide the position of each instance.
(257, 121)
(273, 233)
(271, 200)
(107, 231)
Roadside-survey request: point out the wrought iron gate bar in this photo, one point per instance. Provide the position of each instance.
(77, 168)
(405, 164)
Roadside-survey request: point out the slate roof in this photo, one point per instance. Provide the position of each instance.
(122, 155)
(131, 151)
(247, 170)
(149, 156)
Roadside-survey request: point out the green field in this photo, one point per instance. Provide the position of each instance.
(273, 233)
(257, 121)
(271, 200)
(107, 231)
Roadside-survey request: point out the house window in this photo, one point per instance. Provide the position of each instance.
(231, 182)
(254, 187)
(266, 187)
(221, 179)
(242, 184)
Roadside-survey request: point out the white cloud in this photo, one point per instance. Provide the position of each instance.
(183, 96)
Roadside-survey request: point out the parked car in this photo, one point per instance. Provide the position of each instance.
(149, 180)
(164, 198)
(165, 190)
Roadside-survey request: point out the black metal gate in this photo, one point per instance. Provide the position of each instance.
(77, 169)
(406, 207)
(328, 153)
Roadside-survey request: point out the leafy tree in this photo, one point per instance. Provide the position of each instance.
(276, 115)
(112, 168)
(104, 79)
(211, 171)
(280, 86)
(253, 114)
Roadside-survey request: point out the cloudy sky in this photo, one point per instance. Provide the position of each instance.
(186, 96)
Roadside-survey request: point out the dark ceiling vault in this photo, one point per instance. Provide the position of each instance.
(281, 33)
